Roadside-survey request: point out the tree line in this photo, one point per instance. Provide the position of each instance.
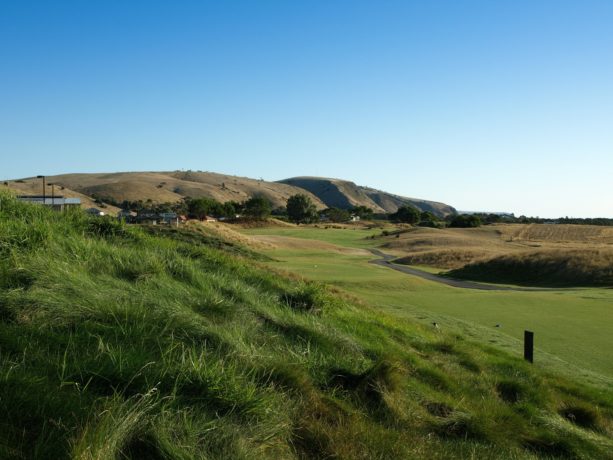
(301, 209)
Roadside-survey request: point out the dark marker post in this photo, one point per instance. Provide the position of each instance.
(529, 346)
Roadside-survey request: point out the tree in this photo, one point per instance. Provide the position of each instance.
(465, 221)
(300, 209)
(336, 214)
(199, 208)
(362, 212)
(407, 214)
(258, 207)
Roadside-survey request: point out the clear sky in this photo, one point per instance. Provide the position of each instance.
(486, 105)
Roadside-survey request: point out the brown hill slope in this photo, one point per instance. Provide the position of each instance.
(162, 187)
(345, 194)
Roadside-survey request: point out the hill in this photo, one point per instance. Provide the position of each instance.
(164, 343)
(160, 187)
(163, 187)
(345, 194)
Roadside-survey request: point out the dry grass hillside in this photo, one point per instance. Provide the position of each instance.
(535, 254)
(345, 194)
(33, 186)
(455, 247)
(160, 187)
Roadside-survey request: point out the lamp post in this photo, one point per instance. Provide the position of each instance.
(44, 193)
(52, 185)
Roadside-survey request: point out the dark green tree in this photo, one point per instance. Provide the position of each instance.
(465, 221)
(406, 214)
(258, 207)
(336, 214)
(362, 212)
(199, 208)
(301, 210)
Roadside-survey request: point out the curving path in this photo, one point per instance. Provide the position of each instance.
(387, 259)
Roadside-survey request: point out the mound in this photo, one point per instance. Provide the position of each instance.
(574, 267)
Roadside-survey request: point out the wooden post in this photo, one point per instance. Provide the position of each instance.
(529, 346)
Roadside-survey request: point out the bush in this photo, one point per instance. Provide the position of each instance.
(406, 214)
(258, 207)
(465, 221)
(301, 210)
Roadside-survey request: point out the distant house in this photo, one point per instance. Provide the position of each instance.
(168, 217)
(126, 213)
(354, 218)
(57, 203)
(127, 216)
(94, 212)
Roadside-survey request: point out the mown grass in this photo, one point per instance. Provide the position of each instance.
(571, 325)
(118, 343)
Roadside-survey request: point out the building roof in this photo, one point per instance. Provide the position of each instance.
(49, 201)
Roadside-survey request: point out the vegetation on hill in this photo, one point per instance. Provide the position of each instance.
(116, 342)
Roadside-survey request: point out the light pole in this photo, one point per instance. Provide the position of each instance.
(44, 193)
(52, 194)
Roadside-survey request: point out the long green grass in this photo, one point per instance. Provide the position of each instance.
(120, 343)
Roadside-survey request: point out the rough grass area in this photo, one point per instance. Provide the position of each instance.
(118, 343)
(578, 267)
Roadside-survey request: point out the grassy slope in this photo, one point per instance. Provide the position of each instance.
(118, 343)
(545, 268)
(572, 324)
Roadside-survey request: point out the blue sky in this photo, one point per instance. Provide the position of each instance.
(485, 105)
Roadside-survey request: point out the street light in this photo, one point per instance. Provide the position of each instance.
(52, 185)
(44, 194)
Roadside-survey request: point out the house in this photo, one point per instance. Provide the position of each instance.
(127, 216)
(168, 217)
(57, 203)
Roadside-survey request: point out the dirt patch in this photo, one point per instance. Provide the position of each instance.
(301, 244)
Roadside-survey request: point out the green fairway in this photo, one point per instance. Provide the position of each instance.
(571, 326)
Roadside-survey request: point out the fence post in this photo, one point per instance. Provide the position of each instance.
(529, 346)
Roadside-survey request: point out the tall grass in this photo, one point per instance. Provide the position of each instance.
(118, 342)
(570, 267)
